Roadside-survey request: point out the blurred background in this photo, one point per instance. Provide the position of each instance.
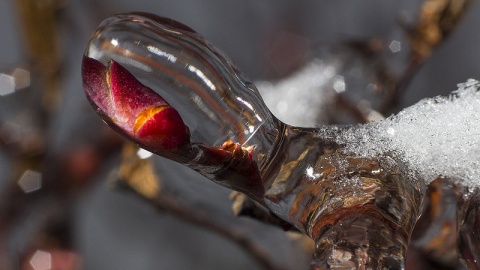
(74, 196)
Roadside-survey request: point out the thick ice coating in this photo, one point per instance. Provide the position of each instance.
(437, 137)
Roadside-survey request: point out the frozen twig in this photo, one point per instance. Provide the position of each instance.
(437, 19)
(136, 176)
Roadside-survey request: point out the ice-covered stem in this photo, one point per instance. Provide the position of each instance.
(360, 211)
(215, 122)
(435, 232)
(468, 243)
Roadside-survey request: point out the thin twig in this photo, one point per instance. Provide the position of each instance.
(170, 204)
(137, 177)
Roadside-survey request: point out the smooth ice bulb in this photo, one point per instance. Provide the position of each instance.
(164, 87)
(217, 102)
(140, 69)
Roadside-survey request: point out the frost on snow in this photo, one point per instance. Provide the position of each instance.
(436, 137)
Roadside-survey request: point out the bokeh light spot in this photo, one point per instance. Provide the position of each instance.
(30, 181)
(7, 84)
(339, 84)
(21, 77)
(41, 260)
(10, 132)
(395, 46)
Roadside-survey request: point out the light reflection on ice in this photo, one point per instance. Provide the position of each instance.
(144, 154)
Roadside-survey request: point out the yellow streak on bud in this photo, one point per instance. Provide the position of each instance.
(108, 79)
(146, 115)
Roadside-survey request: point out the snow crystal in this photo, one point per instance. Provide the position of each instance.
(436, 137)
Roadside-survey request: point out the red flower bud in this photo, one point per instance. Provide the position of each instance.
(132, 108)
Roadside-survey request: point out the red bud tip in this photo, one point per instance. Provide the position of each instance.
(160, 127)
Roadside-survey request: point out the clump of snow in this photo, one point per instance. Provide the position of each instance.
(436, 137)
(300, 99)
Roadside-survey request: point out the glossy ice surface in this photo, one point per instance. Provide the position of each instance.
(143, 72)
